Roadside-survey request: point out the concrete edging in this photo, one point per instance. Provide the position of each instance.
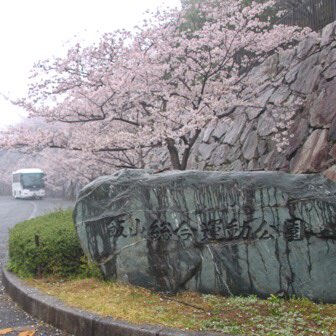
(76, 321)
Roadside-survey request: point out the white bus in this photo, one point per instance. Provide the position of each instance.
(28, 183)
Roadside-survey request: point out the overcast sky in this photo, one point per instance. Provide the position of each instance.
(31, 30)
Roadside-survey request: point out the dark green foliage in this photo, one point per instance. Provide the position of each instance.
(47, 245)
(89, 269)
(305, 13)
(194, 19)
(315, 14)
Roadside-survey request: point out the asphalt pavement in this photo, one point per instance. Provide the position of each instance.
(13, 320)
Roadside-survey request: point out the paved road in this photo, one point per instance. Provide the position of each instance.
(13, 320)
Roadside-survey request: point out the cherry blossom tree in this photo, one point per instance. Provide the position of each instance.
(155, 88)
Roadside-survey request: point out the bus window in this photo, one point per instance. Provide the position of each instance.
(34, 180)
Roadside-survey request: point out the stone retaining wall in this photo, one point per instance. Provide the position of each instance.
(243, 139)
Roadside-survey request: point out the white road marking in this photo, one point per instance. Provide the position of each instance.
(34, 212)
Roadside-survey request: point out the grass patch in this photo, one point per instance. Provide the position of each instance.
(192, 311)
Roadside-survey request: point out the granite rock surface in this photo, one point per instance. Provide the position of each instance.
(293, 104)
(231, 233)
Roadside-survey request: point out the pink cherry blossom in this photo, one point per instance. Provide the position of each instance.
(113, 103)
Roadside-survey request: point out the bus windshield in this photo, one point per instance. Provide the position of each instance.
(32, 180)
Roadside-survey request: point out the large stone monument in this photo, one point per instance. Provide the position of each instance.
(214, 232)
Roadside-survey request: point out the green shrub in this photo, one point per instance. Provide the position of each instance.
(48, 245)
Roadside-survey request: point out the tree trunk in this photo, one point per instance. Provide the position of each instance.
(187, 151)
(173, 152)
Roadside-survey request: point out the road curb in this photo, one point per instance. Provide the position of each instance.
(76, 321)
